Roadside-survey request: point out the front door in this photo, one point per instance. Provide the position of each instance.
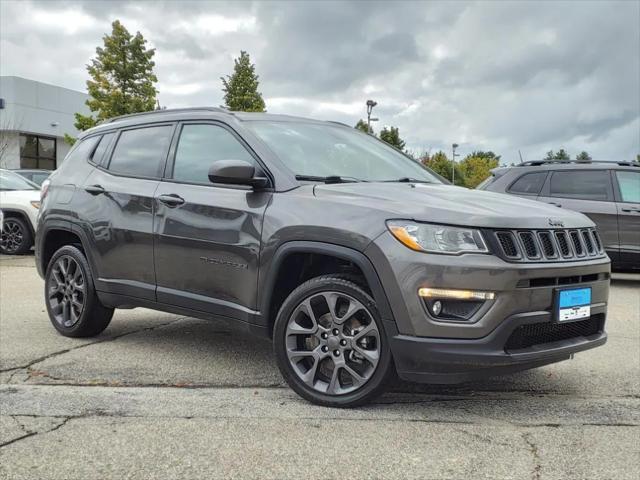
(589, 192)
(207, 237)
(628, 183)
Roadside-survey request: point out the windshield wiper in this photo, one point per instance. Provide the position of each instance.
(407, 180)
(329, 179)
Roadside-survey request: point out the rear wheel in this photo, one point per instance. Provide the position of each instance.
(73, 306)
(15, 238)
(330, 344)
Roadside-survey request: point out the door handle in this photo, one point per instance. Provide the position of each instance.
(171, 200)
(94, 189)
(554, 203)
(631, 209)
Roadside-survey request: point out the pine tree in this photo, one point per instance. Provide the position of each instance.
(241, 88)
(392, 137)
(122, 79)
(583, 157)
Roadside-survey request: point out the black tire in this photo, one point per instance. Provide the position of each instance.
(76, 286)
(383, 372)
(16, 237)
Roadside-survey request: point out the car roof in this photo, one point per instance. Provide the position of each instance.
(193, 113)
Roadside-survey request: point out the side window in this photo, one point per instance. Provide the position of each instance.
(82, 149)
(629, 183)
(582, 184)
(141, 152)
(100, 150)
(529, 183)
(201, 145)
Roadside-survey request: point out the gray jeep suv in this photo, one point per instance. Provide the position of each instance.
(607, 192)
(354, 259)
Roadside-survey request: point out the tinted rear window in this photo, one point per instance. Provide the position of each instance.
(102, 148)
(582, 184)
(529, 183)
(141, 152)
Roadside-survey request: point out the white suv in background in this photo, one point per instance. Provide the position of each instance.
(19, 203)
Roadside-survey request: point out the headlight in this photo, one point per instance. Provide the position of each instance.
(425, 237)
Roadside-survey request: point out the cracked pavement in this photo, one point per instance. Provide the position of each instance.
(164, 396)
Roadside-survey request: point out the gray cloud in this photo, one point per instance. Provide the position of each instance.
(505, 76)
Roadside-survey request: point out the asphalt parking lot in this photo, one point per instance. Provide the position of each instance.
(163, 396)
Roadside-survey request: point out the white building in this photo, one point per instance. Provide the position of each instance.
(34, 117)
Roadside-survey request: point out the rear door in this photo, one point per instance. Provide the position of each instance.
(589, 191)
(207, 243)
(117, 206)
(627, 183)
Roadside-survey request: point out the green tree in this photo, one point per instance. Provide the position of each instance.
(122, 79)
(241, 87)
(560, 155)
(391, 135)
(583, 157)
(439, 163)
(477, 167)
(362, 125)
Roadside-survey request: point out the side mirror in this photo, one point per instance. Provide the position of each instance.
(236, 172)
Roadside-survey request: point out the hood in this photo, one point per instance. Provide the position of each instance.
(452, 205)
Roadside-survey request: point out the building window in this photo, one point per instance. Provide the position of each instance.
(37, 152)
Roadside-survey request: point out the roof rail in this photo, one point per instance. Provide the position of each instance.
(167, 111)
(535, 163)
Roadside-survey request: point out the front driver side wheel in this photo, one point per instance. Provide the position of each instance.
(73, 306)
(330, 345)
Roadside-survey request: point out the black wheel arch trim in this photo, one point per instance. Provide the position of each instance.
(344, 253)
(67, 226)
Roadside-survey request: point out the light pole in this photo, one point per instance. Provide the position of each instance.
(453, 163)
(370, 105)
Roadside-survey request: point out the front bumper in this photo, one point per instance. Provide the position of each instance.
(442, 360)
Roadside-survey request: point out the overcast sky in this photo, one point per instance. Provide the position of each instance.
(502, 76)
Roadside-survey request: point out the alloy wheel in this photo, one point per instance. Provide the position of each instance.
(12, 236)
(66, 291)
(333, 343)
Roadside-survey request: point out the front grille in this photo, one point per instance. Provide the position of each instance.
(526, 336)
(547, 245)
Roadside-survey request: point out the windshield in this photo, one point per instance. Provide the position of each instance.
(13, 181)
(325, 150)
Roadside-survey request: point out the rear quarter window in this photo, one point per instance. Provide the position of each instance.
(82, 150)
(528, 184)
(141, 152)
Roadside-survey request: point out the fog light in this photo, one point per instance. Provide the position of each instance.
(436, 307)
(455, 294)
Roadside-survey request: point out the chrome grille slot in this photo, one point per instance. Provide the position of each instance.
(586, 236)
(548, 247)
(563, 243)
(577, 244)
(508, 244)
(529, 244)
(596, 239)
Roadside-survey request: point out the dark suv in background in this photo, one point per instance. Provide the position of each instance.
(357, 261)
(606, 192)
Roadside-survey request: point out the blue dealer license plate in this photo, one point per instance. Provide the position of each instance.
(574, 304)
